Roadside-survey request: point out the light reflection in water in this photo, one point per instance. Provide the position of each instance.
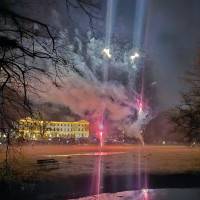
(99, 153)
(139, 168)
(145, 194)
(96, 183)
(99, 175)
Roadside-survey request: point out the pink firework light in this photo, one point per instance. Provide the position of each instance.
(99, 126)
(101, 130)
(145, 194)
(140, 104)
(101, 138)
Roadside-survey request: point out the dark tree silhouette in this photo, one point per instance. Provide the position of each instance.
(187, 115)
(89, 7)
(21, 50)
(25, 45)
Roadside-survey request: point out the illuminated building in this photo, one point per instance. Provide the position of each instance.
(37, 129)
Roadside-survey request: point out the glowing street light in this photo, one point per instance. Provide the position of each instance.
(134, 57)
(106, 52)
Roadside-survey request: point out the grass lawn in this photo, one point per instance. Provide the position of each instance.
(118, 159)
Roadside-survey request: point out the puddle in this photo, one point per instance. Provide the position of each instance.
(153, 194)
(85, 154)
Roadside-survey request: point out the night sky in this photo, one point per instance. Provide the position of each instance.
(171, 40)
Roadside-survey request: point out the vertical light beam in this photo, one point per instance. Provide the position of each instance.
(109, 22)
(139, 23)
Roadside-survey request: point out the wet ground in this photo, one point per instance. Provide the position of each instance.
(81, 171)
(115, 159)
(156, 194)
(171, 187)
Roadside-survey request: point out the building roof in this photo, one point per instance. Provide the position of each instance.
(60, 122)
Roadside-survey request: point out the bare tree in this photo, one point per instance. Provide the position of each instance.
(187, 115)
(89, 7)
(26, 45)
(22, 48)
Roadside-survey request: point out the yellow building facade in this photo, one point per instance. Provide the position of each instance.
(37, 129)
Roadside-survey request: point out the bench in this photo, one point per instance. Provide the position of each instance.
(48, 164)
(46, 161)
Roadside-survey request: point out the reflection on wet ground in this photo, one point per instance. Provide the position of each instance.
(143, 172)
(85, 154)
(102, 179)
(156, 194)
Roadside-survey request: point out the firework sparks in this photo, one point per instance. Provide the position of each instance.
(134, 57)
(107, 53)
